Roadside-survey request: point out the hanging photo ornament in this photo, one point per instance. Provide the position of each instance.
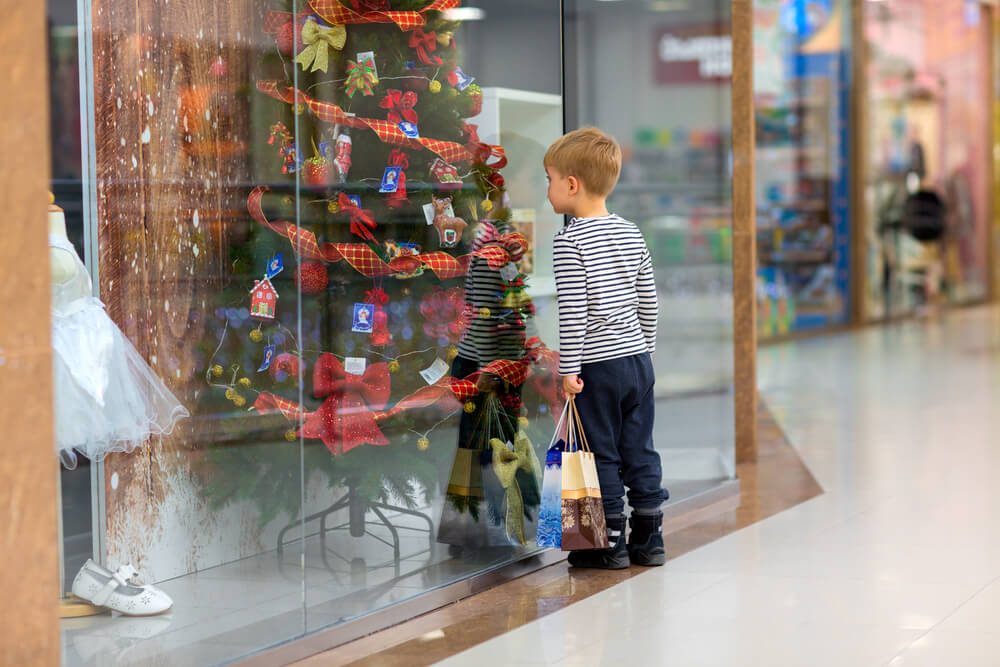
(460, 79)
(275, 266)
(364, 316)
(390, 179)
(409, 129)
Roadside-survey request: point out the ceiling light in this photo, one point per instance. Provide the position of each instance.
(464, 14)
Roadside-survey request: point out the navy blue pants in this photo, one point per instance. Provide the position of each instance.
(616, 408)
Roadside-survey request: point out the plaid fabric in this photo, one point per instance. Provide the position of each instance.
(332, 11)
(268, 402)
(273, 21)
(361, 257)
(388, 132)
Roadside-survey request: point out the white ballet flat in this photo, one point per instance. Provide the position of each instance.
(119, 591)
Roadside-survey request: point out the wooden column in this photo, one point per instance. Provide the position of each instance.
(859, 156)
(744, 235)
(29, 576)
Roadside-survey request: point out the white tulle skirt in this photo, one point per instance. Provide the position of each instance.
(107, 398)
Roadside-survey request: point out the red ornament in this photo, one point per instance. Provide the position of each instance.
(286, 366)
(345, 419)
(286, 39)
(380, 335)
(314, 279)
(317, 171)
(398, 158)
(496, 180)
(445, 313)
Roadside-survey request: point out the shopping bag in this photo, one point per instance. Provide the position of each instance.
(583, 522)
(550, 512)
(461, 523)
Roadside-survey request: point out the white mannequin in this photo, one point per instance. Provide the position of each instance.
(61, 265)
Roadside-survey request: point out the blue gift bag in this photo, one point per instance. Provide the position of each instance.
(550, 514)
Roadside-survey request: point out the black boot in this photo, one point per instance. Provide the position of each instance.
(645, 542)
(613, 558)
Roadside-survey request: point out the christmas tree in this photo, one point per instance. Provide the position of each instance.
(394, 303)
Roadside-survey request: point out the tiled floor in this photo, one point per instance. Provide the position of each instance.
(896, 564)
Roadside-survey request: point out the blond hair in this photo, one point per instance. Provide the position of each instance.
(590, 155)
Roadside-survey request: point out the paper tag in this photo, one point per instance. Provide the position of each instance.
(368, 55)
(509, 272)
(355, 365)
(435, 371)
(429, 212)
(268, 356)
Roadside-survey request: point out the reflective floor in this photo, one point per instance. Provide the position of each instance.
(897, 563)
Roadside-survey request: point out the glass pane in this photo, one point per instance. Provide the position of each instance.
(392, 143)
(656, 76)
(801, 81)
(195, 320)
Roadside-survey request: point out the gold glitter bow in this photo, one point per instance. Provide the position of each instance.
(318, 40)
(506, 463)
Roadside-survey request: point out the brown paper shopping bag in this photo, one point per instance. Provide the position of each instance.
(583, 523)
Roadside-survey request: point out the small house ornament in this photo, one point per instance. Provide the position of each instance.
(263, 300)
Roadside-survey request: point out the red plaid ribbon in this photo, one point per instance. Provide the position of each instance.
(449, 388)
(362, 258)
(388, 132)
(333, 12)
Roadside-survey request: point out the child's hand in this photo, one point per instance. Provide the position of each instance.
(572, 384)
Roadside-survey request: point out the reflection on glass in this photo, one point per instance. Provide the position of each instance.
(666, 98)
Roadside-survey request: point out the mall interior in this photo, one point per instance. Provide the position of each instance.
(280, 295)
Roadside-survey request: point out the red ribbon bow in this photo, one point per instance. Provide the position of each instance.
(345, 419)
(401, 106)
(471, 133)
(424, 43)
(398, 158)
(515, 244)
(362, 220)
(446, 313)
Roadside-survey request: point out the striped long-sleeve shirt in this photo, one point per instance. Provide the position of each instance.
(606, 292)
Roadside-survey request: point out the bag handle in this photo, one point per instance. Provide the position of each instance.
(560, 426)
(585, 446)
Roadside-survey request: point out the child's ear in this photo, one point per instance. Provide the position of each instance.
(573, 184)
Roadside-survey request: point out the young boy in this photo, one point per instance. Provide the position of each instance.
(607, 332)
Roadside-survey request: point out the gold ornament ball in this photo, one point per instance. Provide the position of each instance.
(239, 401)
(452, 92)
(256, 336)
(484, 313)
(423, 444)
(333, 207)
(244, 382)
(470, 407)
(300, 109)
(393, 366)
(231, 394)
(290, 435)
(374, 82)
(216, 370)
(287, 200)
(487, 205)
(523, 421)
(452, 352)
(434, 86)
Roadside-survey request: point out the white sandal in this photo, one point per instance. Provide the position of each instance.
(119, 591)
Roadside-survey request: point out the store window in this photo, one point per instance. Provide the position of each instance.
(321, 240)
(802, 99)
(657, 76)
(928, 119)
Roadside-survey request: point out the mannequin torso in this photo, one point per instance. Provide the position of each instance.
(61, 264)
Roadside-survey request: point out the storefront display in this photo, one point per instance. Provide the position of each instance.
(803, 222)
(927, 78)
(320, 232)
